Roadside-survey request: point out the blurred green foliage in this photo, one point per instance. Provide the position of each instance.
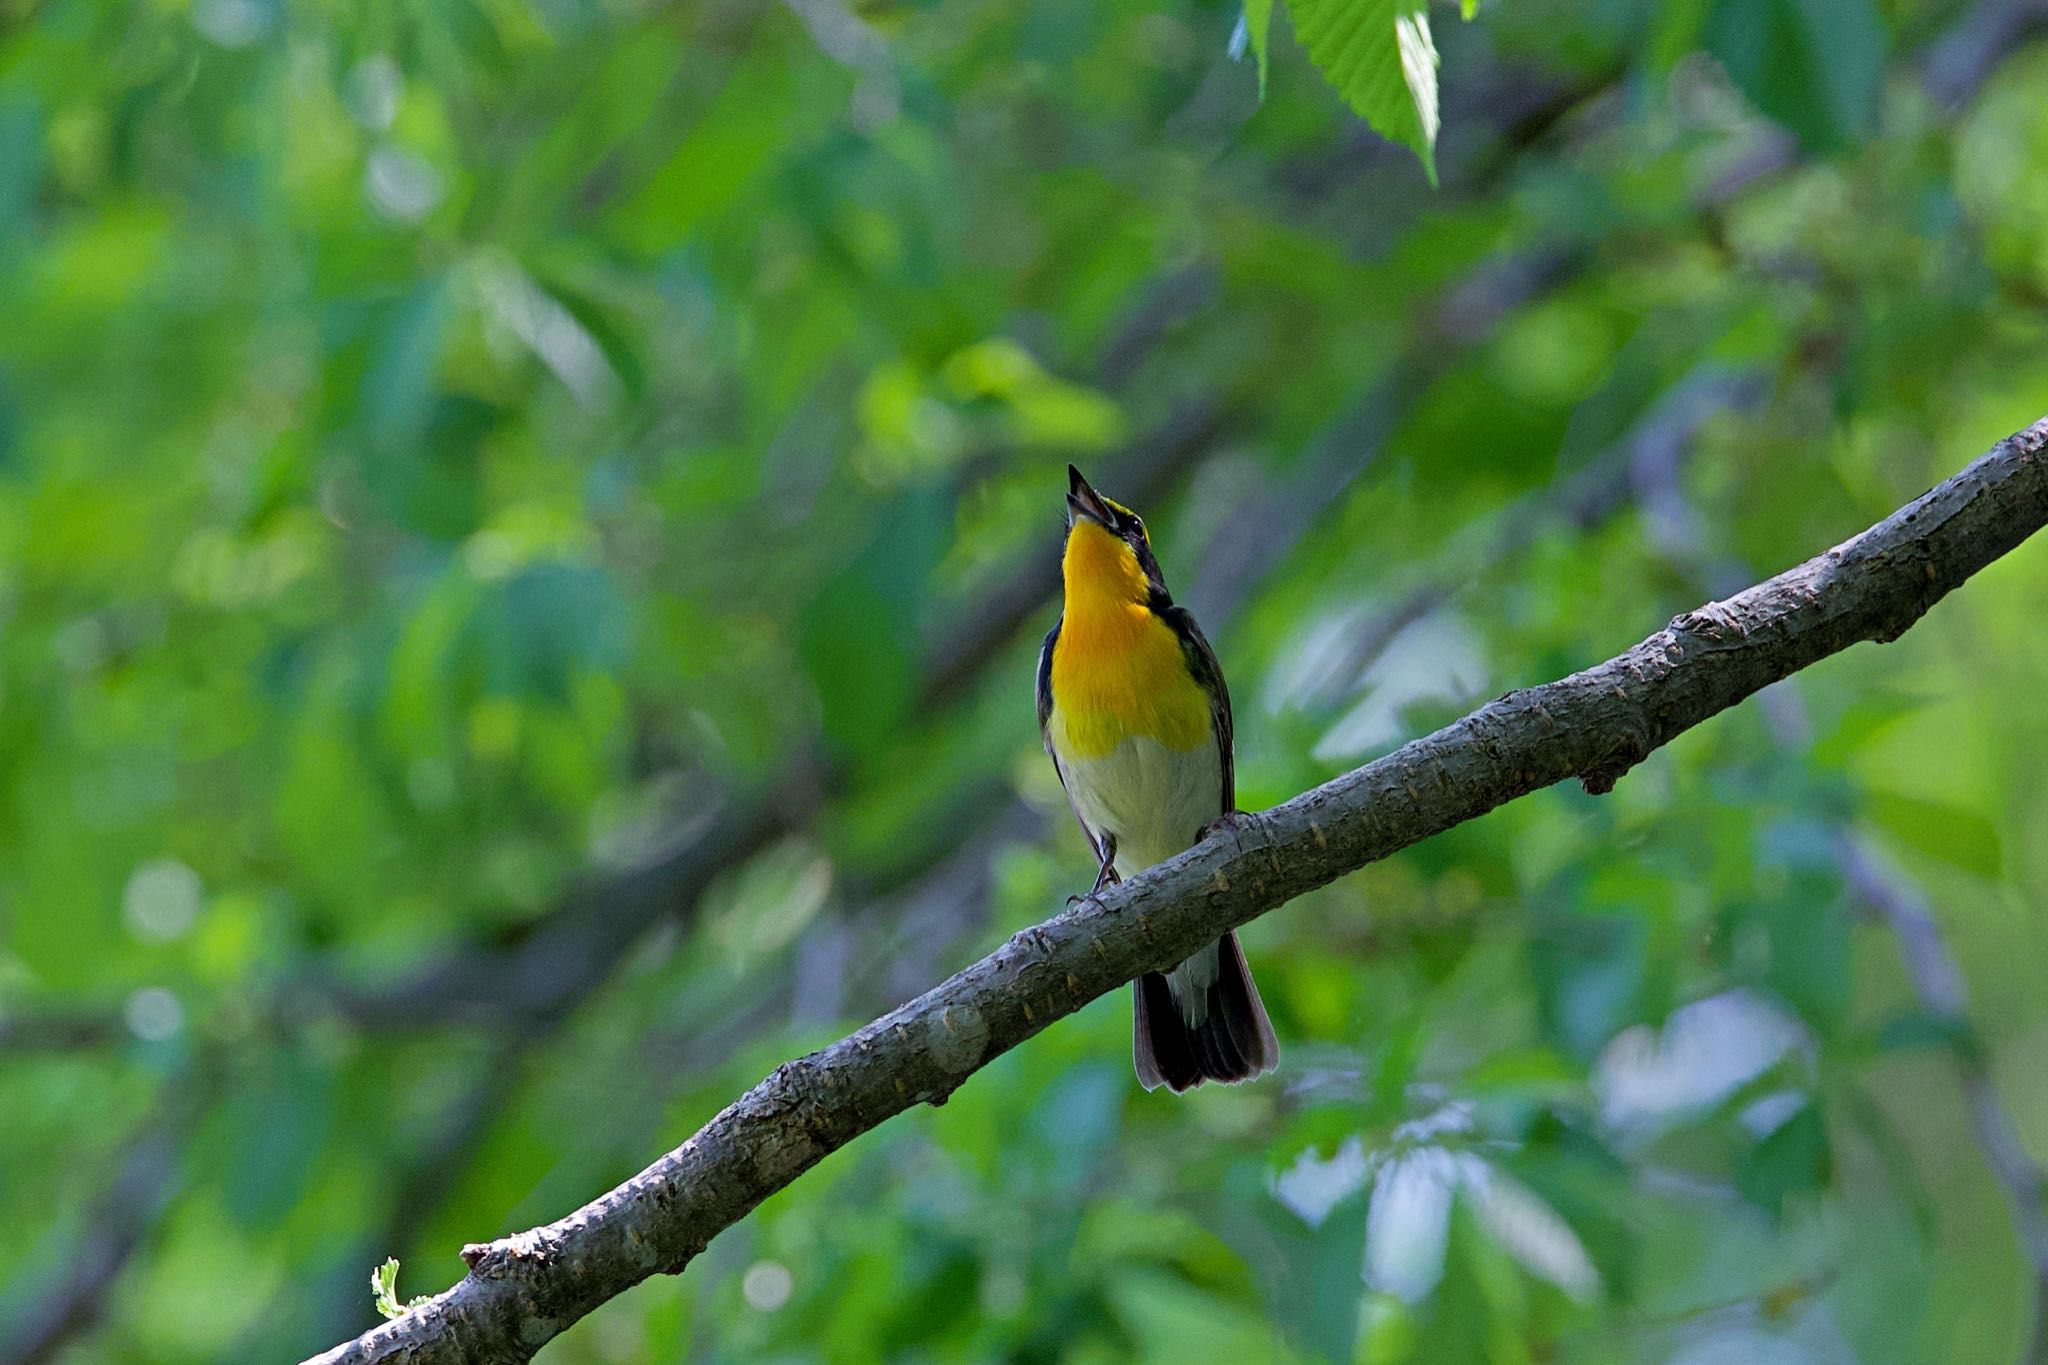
(452, 456)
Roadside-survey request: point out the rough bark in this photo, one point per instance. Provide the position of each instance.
(1593, 726)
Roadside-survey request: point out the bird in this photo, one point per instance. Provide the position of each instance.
(1133, 709)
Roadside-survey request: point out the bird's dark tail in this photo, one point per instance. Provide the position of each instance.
(1232, 1042)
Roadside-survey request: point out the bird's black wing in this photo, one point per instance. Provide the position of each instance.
(1044, 714)
(1052, 637)
(1201, 661)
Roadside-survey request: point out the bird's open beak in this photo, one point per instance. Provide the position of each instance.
(1083, 501)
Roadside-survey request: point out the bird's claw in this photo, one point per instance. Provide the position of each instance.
(1105, 875)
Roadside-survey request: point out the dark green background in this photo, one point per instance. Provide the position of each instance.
(453, 455)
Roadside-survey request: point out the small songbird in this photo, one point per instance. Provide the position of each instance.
(1133, 710)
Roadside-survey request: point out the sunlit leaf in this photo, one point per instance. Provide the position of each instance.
(1381, 58)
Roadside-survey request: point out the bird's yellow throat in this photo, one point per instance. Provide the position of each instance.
(1117, 669)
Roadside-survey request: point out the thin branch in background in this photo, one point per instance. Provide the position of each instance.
(61, 1028)
(1953, 68)
(46, 1314)
(1938, 986)
(853, 43)
(1957, 64)
(1676, 529)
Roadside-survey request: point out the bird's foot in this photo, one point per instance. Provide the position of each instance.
(1105, 875)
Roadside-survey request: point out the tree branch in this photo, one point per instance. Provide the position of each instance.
(1594, 725)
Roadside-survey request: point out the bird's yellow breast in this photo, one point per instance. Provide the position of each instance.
(1119, 672)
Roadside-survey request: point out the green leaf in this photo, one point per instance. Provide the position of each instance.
(1315, 1291)
(1957, 836)
(1673, 31)
(1591, 973)
(1381, 58)
(859, 632)
(1793, 1159)
(276, 1128)
(384, 1290)
(755, 115)
(1812, 65)
(1258, 19)
(1810, 947)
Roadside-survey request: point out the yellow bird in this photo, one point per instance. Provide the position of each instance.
(1133, 710)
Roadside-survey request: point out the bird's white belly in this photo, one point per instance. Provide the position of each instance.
(1152, 798)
